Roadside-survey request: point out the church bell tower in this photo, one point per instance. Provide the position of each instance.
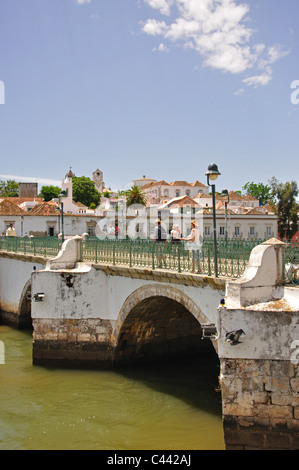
(97, 177)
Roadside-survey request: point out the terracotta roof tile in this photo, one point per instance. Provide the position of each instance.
(79, 204)
(46, 208)
(181, 201)
(180, 183)
(199, 184)
(249, 197)
(10, 208)
(234, 195)
(20, 200)
(155, 183)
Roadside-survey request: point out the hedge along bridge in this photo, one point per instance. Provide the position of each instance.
(103, 314)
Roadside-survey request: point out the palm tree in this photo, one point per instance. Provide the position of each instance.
(135, 196)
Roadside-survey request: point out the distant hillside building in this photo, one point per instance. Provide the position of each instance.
(160, 191)
(140, 182)
(28, 189)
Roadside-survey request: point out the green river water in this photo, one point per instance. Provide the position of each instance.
(172, 405)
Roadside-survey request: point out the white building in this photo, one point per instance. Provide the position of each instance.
(45, 220)
(178, 201)
(141, 182)
(251, 224)
(159, 191)
(77, 208)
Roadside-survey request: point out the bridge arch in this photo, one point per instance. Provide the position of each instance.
(158, 321)
(24, 310)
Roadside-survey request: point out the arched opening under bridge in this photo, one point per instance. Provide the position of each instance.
(24, 313)
(155, 326)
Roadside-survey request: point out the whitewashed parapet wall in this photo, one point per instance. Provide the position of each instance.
(259, 374)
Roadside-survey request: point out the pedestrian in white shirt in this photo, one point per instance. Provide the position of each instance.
(11, 231)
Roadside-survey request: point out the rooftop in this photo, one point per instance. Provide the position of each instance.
(10, 208)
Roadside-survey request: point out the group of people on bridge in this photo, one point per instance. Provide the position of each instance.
(193, 240)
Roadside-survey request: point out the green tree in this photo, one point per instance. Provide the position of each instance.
(9, 188)
(287, 207)
(49, 192)
(260, 191)
(135, 196)
(84, 191)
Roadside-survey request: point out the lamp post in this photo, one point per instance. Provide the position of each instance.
(212, 174)
(62, 194)
(58, 215)
(22, 225)
(225, 194)
(60, 209)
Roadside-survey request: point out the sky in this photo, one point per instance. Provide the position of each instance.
(160, 88)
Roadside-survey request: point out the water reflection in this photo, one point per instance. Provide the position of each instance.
(171, 405)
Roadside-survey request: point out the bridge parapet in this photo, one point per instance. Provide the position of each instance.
(68, 256)
(263, 278)
(259, 371)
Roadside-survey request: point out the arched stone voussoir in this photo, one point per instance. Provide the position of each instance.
(151, 291)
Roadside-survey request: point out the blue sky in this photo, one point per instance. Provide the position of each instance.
(159, 88)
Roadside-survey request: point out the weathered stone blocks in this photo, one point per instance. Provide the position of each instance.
(260, 404)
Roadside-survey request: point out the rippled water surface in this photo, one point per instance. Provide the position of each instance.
(171, 405)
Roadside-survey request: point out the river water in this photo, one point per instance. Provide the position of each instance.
(171, 405)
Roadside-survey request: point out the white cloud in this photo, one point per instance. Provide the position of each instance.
(164, 6)
(219, 31)
(81, 2)
(155, 28)
(262, 79)
(239, 92)
(161, 48)
(274, 53)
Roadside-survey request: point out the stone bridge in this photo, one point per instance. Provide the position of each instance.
(97, 315)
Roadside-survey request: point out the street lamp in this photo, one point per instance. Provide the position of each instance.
(212, 175)
(63, 193)
(22, 225)
(58, 215)
(225, 194)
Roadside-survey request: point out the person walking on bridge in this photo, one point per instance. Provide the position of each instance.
(194, 244)
(11, 231)
(160, 238)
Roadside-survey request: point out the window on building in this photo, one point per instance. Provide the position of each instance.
(91, 229)
(222, 231)
(251, 231)
(177, 193)
(237, 231)
(207, 231)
